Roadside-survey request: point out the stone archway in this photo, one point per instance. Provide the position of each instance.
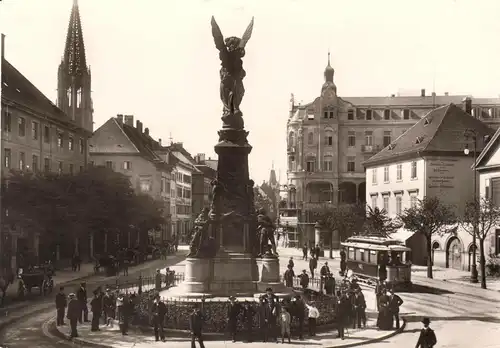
(319, 192)
(362, 192)
(454, 251)
(347, 192)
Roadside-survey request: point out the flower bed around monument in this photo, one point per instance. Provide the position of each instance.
(179, 310)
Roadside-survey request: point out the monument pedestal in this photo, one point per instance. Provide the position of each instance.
(196, 284)
(233, 274)
(269, 277)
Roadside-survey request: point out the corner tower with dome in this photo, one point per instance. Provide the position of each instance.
(329, 138)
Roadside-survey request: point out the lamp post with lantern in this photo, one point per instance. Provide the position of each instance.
(473, 135)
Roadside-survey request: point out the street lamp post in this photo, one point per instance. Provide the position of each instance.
(472, 134)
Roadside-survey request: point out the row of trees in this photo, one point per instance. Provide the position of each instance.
(63, 209)
(429, 217)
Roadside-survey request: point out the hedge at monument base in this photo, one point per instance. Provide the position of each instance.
(178, 312)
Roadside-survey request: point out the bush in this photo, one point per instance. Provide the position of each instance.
(493, 266)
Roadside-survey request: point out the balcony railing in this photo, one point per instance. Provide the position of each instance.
(370, 148)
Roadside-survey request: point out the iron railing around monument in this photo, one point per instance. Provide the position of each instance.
(145, 283)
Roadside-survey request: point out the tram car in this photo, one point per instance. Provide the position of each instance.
(378, 258)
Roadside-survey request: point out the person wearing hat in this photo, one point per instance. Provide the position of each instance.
(330, 284)
(264, 318)
(73, 314)
(285, 322)
(323, 272)
(108, 303)
(61, 304)
(96, 307)
(248, 314)
(159, 311)
(312, 317)
(427, 338)
(304, 279)
(298, 310)
(359, 304)
(394, 303)
(313, 264)
(196, 320)
(158, 280)
(289, 275)
(233, 310)
(81, 295)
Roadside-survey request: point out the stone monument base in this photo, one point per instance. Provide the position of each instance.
(269, 277)
(234, 273)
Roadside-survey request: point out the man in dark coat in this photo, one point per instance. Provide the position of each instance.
(343, 314)
(73, 314)
(317, 251)
(159, 310)
(323, 272)
(304, 279)
(289, 275)
(330, 285)
(196, 326)
(384, 319)
(394, 303)
(248, 314)
(313, 264)
(61, 304)
(343, 264)
(359, 306)
(298, 311)
(304, 252)
(81, 295)
(264, 317)
(108, 303)
(427, 338)
(233, 311)
(96, 307)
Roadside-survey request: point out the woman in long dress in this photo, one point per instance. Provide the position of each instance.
(384, 320)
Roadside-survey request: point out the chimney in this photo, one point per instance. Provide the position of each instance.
(119, 119)
(446, 94)
(467, 105)
(138, 125)
(2, 47)
(422, 92)
(146, 131)
(159, 141)
(433, 94)
(129, 120)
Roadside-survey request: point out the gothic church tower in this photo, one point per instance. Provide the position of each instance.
(74, 86)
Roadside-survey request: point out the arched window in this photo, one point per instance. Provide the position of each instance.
(311, 163)
(291, 139)
(328, 138)
(310, 138)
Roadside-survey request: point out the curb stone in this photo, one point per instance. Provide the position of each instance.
(54, 330)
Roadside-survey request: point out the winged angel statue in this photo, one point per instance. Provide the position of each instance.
(231, 50)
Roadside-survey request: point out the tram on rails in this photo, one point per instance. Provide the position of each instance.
(378, 258)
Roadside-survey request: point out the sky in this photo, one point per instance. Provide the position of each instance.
(156, 59)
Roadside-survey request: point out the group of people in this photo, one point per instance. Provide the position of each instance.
(107, 305)
(388, 304)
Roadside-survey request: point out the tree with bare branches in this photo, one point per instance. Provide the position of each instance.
(378, 223)
(480, 217)
(427, 217)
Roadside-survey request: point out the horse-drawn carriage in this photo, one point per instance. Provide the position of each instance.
(38, 277)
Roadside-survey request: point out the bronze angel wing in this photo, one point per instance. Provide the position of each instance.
(246, 35)
(217, 34)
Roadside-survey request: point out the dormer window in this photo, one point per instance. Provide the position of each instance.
(369, 114)
(387, 114)
(419, 140)
(350, 114)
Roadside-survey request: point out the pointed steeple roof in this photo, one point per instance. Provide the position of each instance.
(329, 71)
(74, 59)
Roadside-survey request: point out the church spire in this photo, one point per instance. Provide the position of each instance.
(74, 51)
(329, 71)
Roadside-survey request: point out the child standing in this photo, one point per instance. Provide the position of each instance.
(285, 321)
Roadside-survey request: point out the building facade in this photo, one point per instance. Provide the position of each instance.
(39, 136)
(130, 150)
(429, 161)
(202, 187)
(329, 138)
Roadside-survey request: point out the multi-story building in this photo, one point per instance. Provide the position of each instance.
(429, 161)
(39, 136)
(182, 181)
(202, 189)
(329, 138)
(130, 150)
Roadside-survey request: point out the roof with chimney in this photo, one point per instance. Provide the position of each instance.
(178, 150)
(74, 59)
(18, 90)
(207, 171)
(440, 131)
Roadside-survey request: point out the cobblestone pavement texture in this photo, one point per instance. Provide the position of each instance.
(27, 329)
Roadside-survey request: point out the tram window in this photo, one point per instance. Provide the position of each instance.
(373, 256)
(351, 254)
(360, 254)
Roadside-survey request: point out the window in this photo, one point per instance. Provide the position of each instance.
(22, 160)
(350, 114)
(328, 140)
(34, 163)
(70, 168)
(386, 203)
(332, 114)
(187, 194)
(46, 165)
(328, 164)
(414, 170)
(351, 164)
(325, 114)
(179, 191)
(7, 158)
(406, 114)
(413, 200)
(368, 138)
(387, 114)
(399, 204)
(21, 123)
(60, 139)
(127, 165)
(7, 121)
(109, 164)
(351, 139)
(369, 114)
(311, 165)
(497, 241)
(399, 172)
(386, 174)
(387, 138)
(310, 138)
(374, 176)
(374, 202)
(350, 254)
(71, 144)
(186, 179)
(145, 185)
(60, 167)
(310, 116)
(162, 185)
(82, 146)
(34, 130)
(46, 134)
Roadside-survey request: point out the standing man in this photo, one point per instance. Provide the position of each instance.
(264, 317)
(330, 285)
(304, 252)
(108, 303)
(359, 309)
(81, 295)
(74, 314)
(289, 275)
(159, 311)
(313, 264)
(248, 314)
(343, 314)
(233, 310)
(323, 272)
(96, 307)
(291, 263)
(61, 304)
(312, 317)
(196, 325)
(304, 279)
(394, 303)
(285, 322)
(299, 311)
(343, 265)
(317, 251)
(158, 280)
(427, 338)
